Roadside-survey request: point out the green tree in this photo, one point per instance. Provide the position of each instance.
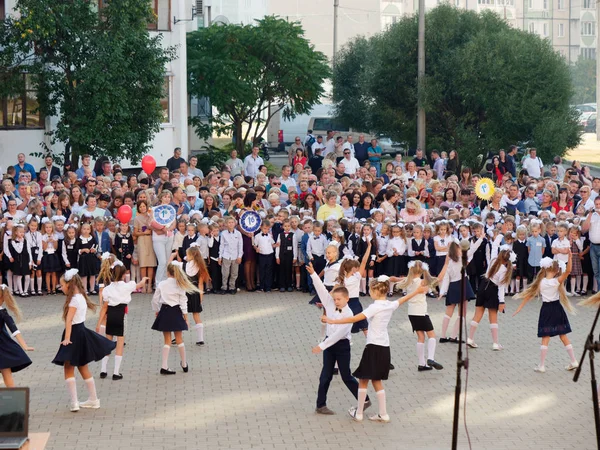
(98, 71)
(487, 86)
(583, 76)
(252, 72)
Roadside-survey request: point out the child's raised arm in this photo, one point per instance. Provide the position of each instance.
(566, 273)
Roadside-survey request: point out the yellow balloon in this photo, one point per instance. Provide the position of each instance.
(484, 189)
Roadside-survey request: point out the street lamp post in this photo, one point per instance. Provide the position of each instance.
(420, 77)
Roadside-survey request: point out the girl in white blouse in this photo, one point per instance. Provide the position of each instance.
(197, 272)
(490, 295)
(170, 304)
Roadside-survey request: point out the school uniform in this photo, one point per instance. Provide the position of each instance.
(315, 248)
(265, 255)
(440, 256)
(12, 355)
(185, 245)
(549, 241)
(70, 253)
(561, 244)
(171, 304)
(50, 256)
(418, 246)
(330, 273)
(491, 291)
(520, 249)
(287, 252)
(123, 248)
(118, 295)
(230, 250)
(376, 358)
(394, 262)
(86, 345)
(352, 283)
(361, 249)
(20, 252)
(336, 346)
(382, 267)
(194, 301)
(306, 257)
(34, 239)
(451, 284)
(536, 247)
(417, 309)
(477, 262)
(553, 320)
(87, 262)
(214, 269)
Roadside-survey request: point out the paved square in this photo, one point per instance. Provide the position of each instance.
(254, 385)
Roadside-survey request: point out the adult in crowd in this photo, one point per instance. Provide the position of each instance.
(331, 208)
(23, 166)
(235, 164)
(374, 152)
(511, 162)
(361, 150)
(351, 164)
(349, 145)
(174, 162)
(438, 164)
(533, 164)
(292, 150)
(195, 170)
(591, 225)
(329, 143)
(252, 163)
(162, 239)
(53, 171)
(86, 169)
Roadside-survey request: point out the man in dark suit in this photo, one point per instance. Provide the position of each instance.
(50, 167)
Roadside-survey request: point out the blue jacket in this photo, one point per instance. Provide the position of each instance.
(26, 168)
(103, 243)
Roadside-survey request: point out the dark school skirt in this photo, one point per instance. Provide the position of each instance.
(170, 318)
(453, 295)
(316, 299)
(12, 356)
(194, 303)
(86, 346)
(438, 265)
(394, 266)
(553, 320)
(381, 268)
(487, 295)
(87, 265)
(51, 262)
(356, 307)
(115, 320)
(374, 364)
(420, 323)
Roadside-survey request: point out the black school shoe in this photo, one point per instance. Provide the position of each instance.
(117, 377)
(424, 368)
(444, 340)
(167, 372)
(392, 366)
(233, 291)
(186, 368)
(103, 375)
(436, 365)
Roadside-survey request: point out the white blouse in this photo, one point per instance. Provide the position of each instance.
(78, 301)
(118, 293)
(169, 293)
(549, 290)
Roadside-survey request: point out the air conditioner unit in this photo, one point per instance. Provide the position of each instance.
(199, 7)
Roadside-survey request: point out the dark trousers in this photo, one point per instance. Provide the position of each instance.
(309, 282)
(286, 267)
(340, 352)
(214, 270)
(265, 271)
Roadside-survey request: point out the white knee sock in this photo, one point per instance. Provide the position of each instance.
(104, 364)
(456, 328)
(362, 396)
(524, 283)
(573, 282)
(103, 331)
(165, 356)
(571, 352)
(445, 323)
(200, 332)
(363, 285)
(494, 330)
(181, 348)
(9, 280)
(381, 403)
(421, 353)
(431, 348)
(19, 286)
(72, 389)
(27, 280)
(91, 387)
(584, 283)
(39, 284)
(543, 353)
(473, 329)
(118, 360)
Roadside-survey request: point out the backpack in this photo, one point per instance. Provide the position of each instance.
(310, 141)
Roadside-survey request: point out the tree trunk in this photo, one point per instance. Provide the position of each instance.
(239, 139)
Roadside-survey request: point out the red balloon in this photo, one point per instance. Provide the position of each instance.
(148, 164)
(124, 214)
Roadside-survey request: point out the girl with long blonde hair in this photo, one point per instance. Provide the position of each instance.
(490, 295)
(418, 275)
(12, 354)
(197, 272)
(375, 362)
(79, 345)
(553, 320)
(170, 304)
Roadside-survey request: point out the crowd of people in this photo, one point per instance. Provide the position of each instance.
(337, 224)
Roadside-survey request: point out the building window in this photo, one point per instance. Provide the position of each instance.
(22, 109)
(561, 30)
(561, 4)
(162, 13)
(545, 29)
(588, 53)
(589, 4)
(545, 4)
(531, 27)
(165, 101)
(588, 28)
(485, 2)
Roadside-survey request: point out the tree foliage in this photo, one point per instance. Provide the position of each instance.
(252, 72)
(99, 72)
(487, 86)
(583, 76)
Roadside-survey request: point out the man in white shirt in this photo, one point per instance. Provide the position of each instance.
(533, 164)
(185, 173)
(330, 145)
(235, 164)
(194, 170)
(349, 145)
(286, 179)
(252, 163)
(350, 163)
(318, 145)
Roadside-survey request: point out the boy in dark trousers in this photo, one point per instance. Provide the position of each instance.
(263, 244)
(286, 254)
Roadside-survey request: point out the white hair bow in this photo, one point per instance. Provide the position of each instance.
(512, 257)
(105, 255)
(45, 220)
(382, 279)
(3, 286)
(546, 262)
(194, 244)
(28, 218)
(354, 258)
(562, 266)
(72, 225)
(116, 263)
(177, 264)
(69, 274)
(505, 247)
(340, 233)
(335, 244)
(59, 219)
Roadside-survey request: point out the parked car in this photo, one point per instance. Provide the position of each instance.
(586, 107)
(589, 124)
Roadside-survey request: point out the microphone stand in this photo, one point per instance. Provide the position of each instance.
(460, 362)
(592, 346)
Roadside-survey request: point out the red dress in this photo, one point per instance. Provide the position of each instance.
(562, 208)
(301, 160)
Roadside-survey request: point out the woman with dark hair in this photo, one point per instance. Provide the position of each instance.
(309, 206)
(453, 165)
(249, 259)
(364, 207)
(497, 170)
(450, 199)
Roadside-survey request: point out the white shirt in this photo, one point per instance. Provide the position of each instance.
(251, 165)
(78, 301)
(561, 243)
(335, 332)
(169, 293)
(442, 242)
(191, 268)
(549, 290)
(533, 166)
(289, 182)
(330, 273)
(397, 244)
(348, 145)
(382, 244)
(379, 314)
(294, 248)
(329, 147)
(264, 243)
(497, 280)
(118, 293)
(316, 245)
(411, 252)
(417, 306)
(595, 228)
(452, 274)
(352, 283)
(18, 245)
(202, 242)
(231, 245)
(351, 165)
